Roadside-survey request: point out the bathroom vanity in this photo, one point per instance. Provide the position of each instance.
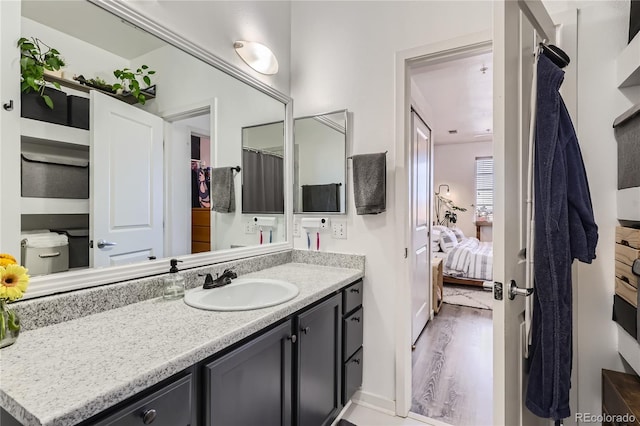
(164, 362)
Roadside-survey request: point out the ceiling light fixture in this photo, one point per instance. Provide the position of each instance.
(257, 56)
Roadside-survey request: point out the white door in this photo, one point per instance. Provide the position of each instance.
(513, 61)
(126, 182)
(420, 172)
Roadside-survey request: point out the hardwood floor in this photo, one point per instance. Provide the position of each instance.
(453, 367)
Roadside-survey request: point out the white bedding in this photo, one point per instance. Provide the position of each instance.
(469, 259)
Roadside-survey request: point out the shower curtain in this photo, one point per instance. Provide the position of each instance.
(262, 182)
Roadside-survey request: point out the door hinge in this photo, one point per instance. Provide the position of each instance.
(497, 290)
(406, 252)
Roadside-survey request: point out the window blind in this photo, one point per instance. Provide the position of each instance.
(484, 184)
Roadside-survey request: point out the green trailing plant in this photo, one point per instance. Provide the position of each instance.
(35, 58)
(130, 82)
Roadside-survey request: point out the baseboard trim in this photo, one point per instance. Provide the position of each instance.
(341, 413)
(375, 402)
(426, 420)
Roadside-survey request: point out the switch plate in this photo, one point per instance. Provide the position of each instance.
(296, 228)
(339, 229)
(249, 228)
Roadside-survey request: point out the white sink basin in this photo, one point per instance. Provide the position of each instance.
(242, 294)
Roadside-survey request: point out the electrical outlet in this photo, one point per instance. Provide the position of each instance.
(296, 229)
(324, 223)
(339, 230)
(249, 228)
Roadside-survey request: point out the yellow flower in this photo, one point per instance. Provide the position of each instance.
(7, 259)
(13, 282)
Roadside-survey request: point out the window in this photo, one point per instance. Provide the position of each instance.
(484, 188)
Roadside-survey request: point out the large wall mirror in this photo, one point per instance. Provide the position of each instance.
(320, 169)
(165, 178)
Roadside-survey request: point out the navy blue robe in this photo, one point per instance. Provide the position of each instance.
(565, 229)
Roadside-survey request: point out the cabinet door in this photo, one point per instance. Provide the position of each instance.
(318, 379)
(252, 384)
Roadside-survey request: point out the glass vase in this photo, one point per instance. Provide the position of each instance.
(9, 325)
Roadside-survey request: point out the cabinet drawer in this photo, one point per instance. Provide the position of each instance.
(352, 375)
(169, 406)
(626, 254)
(624, 273)
(352, 333)
(352, 297)
(628, 236)
(627, 292)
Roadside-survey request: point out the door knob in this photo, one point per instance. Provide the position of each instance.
(514, 291)
(104, 243)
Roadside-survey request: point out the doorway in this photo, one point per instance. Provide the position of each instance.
(191, 152)
(453, 355)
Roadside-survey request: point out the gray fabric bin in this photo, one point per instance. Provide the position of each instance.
(78, 246)
(54, 176)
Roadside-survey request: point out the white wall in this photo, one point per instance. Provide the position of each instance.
(343, 56)
(455, 165)
(215, 25)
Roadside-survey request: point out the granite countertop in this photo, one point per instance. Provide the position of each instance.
(65, 373)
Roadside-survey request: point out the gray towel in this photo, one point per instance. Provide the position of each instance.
(370, 183)
(627, 136)
(223, 197)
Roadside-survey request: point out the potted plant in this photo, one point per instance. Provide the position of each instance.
(450, 215)
(129, 82)
(37, 57)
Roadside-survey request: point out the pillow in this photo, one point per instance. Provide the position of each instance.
(448, 240)
(458, 233)
(435, 239)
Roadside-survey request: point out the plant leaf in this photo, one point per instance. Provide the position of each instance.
(147, 80)
(48, 101)
(144, 67)
(57, 85)
(151, 72)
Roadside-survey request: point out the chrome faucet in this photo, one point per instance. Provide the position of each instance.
(221, 280)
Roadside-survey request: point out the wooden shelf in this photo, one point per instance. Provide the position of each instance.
(35, 129)
(86, 89)
(54, 206)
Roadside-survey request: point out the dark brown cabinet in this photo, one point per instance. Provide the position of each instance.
(319, 363)
(252, 384)
(353, 327)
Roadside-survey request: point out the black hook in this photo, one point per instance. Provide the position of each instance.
(556, 55)
(8, 106)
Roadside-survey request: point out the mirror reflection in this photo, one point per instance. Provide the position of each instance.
(263, 165)
(320, 151)
(163, 177)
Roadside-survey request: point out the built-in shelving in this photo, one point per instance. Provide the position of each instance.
(41, 130)
(54, 206)
(628, 65)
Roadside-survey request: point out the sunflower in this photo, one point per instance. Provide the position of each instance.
(13, 282)
(7, 259)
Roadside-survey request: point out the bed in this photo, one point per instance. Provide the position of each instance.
(466, 260)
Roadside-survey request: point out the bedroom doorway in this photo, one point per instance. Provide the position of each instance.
(452, 377)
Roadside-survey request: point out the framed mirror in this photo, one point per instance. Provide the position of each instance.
(320, 163)
(155, 177)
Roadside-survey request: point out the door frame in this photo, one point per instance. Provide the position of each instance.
(449, 49)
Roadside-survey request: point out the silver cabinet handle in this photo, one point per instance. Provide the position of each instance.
(104, 243)
(149, 416)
